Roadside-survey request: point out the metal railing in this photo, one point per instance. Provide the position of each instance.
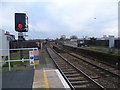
(16, 60)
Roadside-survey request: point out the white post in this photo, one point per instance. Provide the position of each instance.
(41, 45)
(9, 60)
(23, 60)
(111, 41)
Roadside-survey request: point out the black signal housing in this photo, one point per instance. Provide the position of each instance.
(21, 22)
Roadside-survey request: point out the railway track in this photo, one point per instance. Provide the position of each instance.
(105, 76)
(113, 65)
(75, 77)
(99, 65)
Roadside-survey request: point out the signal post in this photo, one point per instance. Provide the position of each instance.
(21, 25)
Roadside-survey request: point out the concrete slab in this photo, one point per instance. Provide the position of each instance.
(49, 79)
(53, 79)
(38, 79)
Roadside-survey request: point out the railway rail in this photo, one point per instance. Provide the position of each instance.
(75, 77)
(104, 58)
(106, 77)
(105, 67)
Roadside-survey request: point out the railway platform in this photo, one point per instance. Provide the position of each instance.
(48, 78)
(46, 75)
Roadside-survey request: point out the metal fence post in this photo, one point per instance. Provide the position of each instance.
(9, 60)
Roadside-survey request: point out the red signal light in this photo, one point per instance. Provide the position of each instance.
(20, 25)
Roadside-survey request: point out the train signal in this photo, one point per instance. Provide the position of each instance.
(20, 25)
(21, 22)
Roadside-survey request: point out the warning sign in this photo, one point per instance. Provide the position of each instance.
(34, 57)
(36, 53)
(36, 62)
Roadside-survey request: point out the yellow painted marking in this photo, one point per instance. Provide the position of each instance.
(45, 80)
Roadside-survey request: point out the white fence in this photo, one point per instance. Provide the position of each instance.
(16, 60)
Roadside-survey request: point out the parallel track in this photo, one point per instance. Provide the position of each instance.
(115, 72)
(103, 73)
(74, 76)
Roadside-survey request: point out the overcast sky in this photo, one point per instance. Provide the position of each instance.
(53, 18)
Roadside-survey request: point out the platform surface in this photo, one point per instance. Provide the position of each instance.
(49, 79)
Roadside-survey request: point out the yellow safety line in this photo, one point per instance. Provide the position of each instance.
(45, 80)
